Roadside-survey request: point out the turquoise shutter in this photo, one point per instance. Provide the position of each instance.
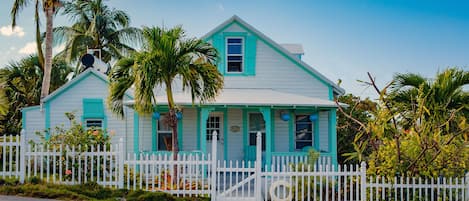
(93, 108)
(219, 44)
(250, 60)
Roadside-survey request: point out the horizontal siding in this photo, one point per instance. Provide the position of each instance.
(281, 134)
(235, 139)
(145, 133)
(189, 122)
(274, 71)
(324, 131)
(34, 123)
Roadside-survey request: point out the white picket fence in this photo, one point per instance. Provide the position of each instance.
(197, 174)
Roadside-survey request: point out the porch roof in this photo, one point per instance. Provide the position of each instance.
(250, 97)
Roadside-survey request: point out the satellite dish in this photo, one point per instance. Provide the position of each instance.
(87, 60)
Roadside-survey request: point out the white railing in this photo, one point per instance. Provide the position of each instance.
(203, 175)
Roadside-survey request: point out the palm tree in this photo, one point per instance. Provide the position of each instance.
(49, 7)
(17, 6)
(95, 26)
(22, 83)
(443, 97)
(167, 55)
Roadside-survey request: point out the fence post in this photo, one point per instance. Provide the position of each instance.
(22, 155)
(363, 181)
(467, 185)
(258, 165)
(213, 174)
(121, 163)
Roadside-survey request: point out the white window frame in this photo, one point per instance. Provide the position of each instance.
(210, 129)
(254, 132)
(295, 132)
(242, 54)
(94, 119)
(164, 132)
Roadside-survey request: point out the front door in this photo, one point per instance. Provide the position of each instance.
(215, 123)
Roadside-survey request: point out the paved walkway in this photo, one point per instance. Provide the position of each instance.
(17, 198)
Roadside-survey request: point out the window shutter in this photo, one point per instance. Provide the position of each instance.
(250, 60)
(219, 44)
(93, 108)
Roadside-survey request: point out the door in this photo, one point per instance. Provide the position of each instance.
(215, 123)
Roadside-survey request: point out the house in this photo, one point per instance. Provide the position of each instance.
(268, 88)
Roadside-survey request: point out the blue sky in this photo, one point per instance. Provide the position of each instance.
(342, 39)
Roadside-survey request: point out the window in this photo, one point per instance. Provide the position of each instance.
(303, 132)
(213, 124)
(94, 123)
(234, 55)
(256, 123)
(165, 138)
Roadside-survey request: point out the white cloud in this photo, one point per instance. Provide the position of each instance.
(8, 31)
(29, 48)
(221, 8)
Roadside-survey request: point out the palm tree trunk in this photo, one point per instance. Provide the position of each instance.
(173, 123)
(48, 59)
(40, 54)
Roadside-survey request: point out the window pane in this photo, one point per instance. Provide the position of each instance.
(234, 49)
(300, 145)
(252, 139)
(235, 40)
(303, 118)
(303, 127)
(256, 122)
(303, 136)
(163, 123)
(94, 123)
(213, 124)
(165, 141)
(234, 67)
(235, 58)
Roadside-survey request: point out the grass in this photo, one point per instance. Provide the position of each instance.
(34, 187)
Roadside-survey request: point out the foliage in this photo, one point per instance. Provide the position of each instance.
(22, 82)
(83, 192)
(166, 56)
(420, 127)
(362, 110)
(95, 26)
(77, 136)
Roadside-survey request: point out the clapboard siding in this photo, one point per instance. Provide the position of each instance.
(235, 139)
(324, 131)
(145, 133)
(281, 133)
(34, 123)
(189, 122)
(274, 71)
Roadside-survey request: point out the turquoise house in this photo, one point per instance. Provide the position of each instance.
(268, 88)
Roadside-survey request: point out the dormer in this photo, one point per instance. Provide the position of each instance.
(236, 45)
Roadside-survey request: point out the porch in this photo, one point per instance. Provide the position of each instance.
(286, 132)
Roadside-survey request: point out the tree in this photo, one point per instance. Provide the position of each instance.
(419, 124)
(95, 26)
(166, 56)
(362, 110)
(22, 84)
(49, 7)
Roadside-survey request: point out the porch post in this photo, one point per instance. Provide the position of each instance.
(204, 113)
(136, 133)
(266, 113)
(333, 135)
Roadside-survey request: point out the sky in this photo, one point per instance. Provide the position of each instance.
(342, 39)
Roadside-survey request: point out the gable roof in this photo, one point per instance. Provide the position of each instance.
(76, 80)
(278, 47)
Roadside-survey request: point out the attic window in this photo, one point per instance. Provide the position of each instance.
(234, 55)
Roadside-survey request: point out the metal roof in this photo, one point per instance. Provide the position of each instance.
(250, 97)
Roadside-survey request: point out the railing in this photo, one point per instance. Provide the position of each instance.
(292, 158)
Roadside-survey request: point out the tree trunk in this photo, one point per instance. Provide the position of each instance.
(40, 54)
(48, 58)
